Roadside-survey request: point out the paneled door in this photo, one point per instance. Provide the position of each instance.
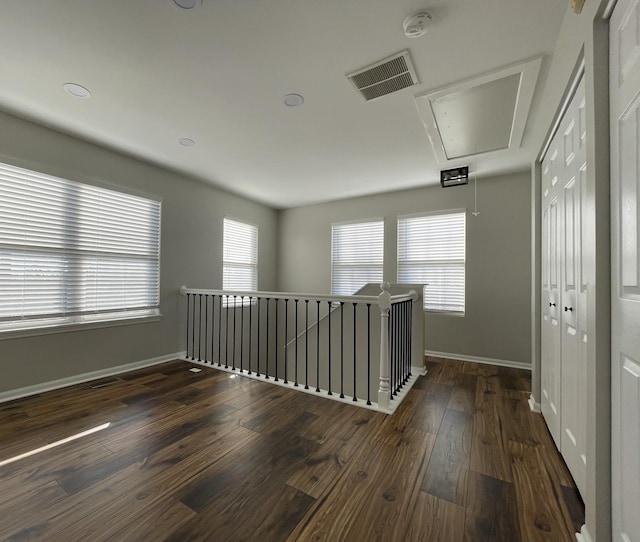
(624, 73)
(564, 301)
(573, 310)
(551, 304)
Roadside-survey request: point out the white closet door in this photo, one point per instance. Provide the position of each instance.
(624, 94)
(573, 293)
(551, 360)
(564, 301)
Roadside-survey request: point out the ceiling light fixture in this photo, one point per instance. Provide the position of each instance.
(186, 142)
(77, 91)
(293, 100)
(186, 5)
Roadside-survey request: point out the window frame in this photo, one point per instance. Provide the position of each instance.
(28, 325)
(254, 266)
(375, 220)
(442, 311)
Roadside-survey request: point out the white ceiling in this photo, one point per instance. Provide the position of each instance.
(218, 76)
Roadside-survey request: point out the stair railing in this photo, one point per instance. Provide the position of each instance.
(248, 332)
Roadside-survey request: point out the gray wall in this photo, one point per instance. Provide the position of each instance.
(191, 254)
(498, 269)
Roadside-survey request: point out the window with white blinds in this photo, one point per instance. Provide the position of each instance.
(240, 256)
(357, 253)
(431, 251)
(72, 253)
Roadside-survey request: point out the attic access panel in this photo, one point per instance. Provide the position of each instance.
(484, 114)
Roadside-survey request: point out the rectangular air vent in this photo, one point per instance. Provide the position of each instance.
(384, 77)
(104, 382)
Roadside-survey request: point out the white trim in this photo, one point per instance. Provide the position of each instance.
(528, 70)
(573, 86)
(533, 406)
(608, 10)
(477, 359)
(71, 175)
(76, 326)
(433, 213)
(357, 221)
(583, 535)
(85, 377)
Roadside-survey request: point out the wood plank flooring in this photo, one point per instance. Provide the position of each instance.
(212, 456)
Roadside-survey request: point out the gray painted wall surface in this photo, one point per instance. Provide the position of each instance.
(497, 323)
(191, 254)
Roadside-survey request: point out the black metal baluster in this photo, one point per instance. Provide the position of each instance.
(206, 326)
(258, 345)
(306, 344)
(341, 349)
(226, 334)
(410, 334)
(355, 306)
(400, 345)
(318, 345)
(397, 337)
(186, 352)
(403, 345)
(213, 325)
(200, 328)
(241, 332)
(266, 374)
(406, 343)
(250, 330)
(235, 311)
(391, 350)
(296, 359)
(193, 328)
(329, 346)
(219, 331)
(286, 335)
(276, 345)
(368, 353)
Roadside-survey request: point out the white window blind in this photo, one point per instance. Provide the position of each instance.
(431, 251)
(357, 253)
(71, 252)
(240, 256)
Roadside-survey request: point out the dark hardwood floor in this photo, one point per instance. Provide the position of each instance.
(210, 456)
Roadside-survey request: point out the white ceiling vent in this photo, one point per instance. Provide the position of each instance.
(384, 77)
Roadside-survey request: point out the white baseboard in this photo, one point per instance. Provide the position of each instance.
(583, 535)
(84, 377)
(477, 359)
(347, 399)
(533, 406)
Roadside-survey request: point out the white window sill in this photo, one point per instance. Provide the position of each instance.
(445, 313)
(51, 328)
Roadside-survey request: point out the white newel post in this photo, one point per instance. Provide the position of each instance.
(384, 301)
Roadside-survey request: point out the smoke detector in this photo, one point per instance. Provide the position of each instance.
(186, 5)
(416, 25)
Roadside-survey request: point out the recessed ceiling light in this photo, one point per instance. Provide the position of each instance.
(293, 100)
(186, 5)
(78, 91)
(186, 142)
